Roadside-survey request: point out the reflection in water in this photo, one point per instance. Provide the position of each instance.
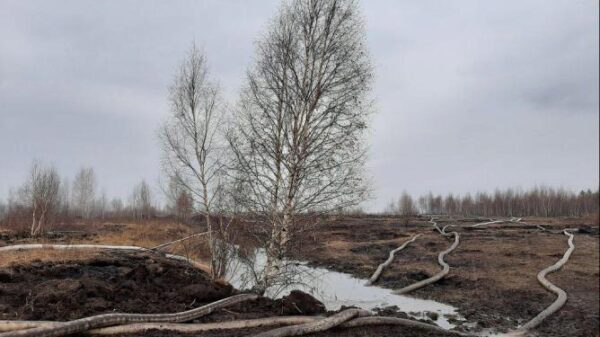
(336, 289)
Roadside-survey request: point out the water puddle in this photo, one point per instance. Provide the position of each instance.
(337, 289)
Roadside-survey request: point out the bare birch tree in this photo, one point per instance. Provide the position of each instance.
(116, 207)
(141, 201)
(3, 211)
(100, 205)
(179, 201)
(298, 142)
(183, 206)
(64, 197)
(84, 192)
(192, 140)
(41, 194)
(406, 205)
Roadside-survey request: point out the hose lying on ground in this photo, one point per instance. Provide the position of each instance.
(383, 320)
(100, 247)
(538, 226)
(389, 260)
(104, 320)
(561, 294)
(125, 323)
(180, 240)
(445, 267)
(496, 221)
(191, 328)
(179, 327)
(341, 321)
(317, 326)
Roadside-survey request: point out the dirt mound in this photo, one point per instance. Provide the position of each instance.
(140, 283)
(110, 282)
(135, 283)
(301, 303)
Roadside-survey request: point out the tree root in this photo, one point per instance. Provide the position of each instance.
(105, 320)
(445, 267)
(389, 260)
(561, 294)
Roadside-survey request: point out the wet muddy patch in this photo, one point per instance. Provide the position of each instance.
(337, 290)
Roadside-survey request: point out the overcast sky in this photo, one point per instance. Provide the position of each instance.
(470, 95)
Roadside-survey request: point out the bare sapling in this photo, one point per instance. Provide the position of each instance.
(41, 194)
(179, 200)
(141, 201)
(192, 141)
(84, 192)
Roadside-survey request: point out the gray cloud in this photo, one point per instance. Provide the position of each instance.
(469, 95)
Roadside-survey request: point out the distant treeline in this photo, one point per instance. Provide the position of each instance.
(45, 198)
(539, 201)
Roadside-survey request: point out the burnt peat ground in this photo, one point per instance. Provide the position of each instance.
(142, 283)
(492, 279)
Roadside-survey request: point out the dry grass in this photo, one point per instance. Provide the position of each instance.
(340, 245)
(147, 234)
(16, 257)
